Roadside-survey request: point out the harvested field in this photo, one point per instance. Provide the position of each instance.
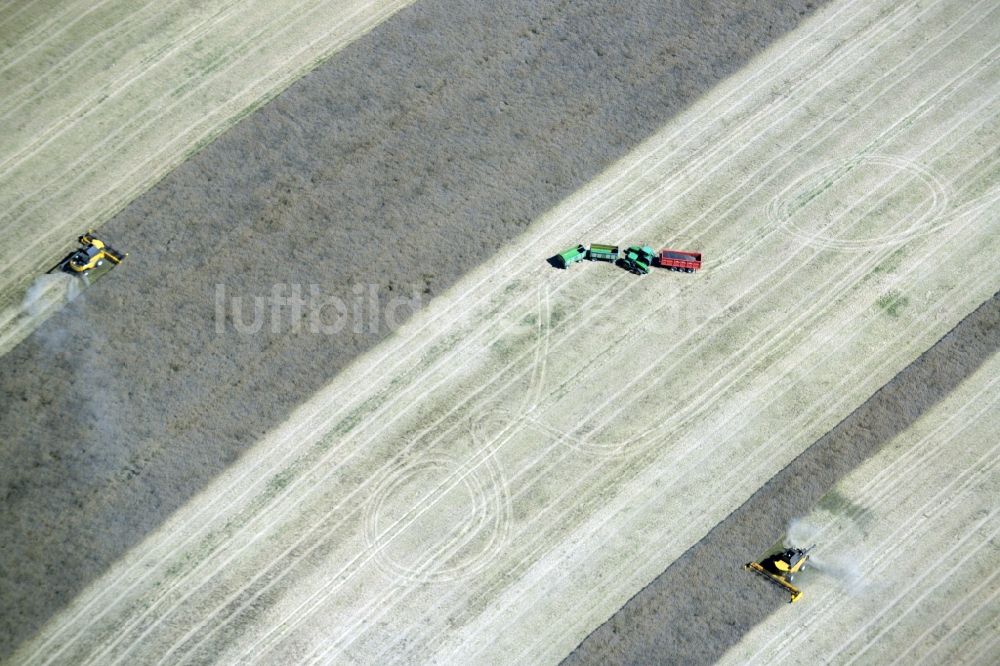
(439, 136)
(506, 470)
(708, 582)
(102, 99)
(907, 573)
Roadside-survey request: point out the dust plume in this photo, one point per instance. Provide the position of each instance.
(838, 553)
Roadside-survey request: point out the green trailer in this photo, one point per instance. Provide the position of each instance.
(598, 252)
(571, 256)
(637, 259)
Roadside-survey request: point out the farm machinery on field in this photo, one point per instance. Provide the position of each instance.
(90, 261)
(636, 258)
(570, 256)
(780, 568)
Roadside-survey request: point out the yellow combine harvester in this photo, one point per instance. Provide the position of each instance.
(92, 260)
(781, 567)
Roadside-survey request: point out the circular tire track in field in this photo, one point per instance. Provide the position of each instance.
(785, 208)
(476, 510)
(390, 517)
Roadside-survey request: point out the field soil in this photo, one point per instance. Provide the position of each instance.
(102, 99)
(535, 445)
(704, 603)
(392, 169)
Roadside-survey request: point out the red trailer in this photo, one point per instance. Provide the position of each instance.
(679, 260)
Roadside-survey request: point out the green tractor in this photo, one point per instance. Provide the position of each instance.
(637, 259)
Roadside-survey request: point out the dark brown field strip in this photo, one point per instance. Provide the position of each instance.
(401, 163)
(705, 602)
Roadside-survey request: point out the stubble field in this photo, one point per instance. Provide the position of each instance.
(432, 140)
(506, 470)
(102, 99)
(907, 574)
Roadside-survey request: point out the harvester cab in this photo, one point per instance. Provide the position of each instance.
(780, 568)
